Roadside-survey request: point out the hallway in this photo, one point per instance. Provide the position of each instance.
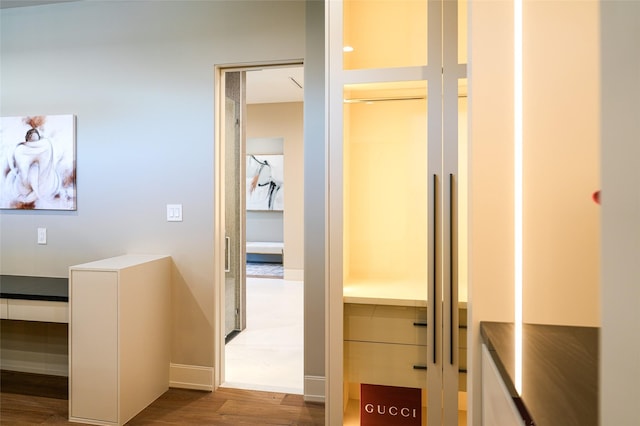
(268, 354)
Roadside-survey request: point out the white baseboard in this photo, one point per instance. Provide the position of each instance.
(294, 274)
(191, 377)
(314, 389)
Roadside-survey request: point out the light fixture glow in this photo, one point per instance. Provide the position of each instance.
(347, 49)
(518, 187)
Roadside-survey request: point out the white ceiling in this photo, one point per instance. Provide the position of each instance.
(271, 85)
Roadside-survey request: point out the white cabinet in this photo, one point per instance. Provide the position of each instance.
(498, 408)
(119, 337)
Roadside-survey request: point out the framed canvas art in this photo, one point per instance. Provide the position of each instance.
(265, 182)
(38, 162)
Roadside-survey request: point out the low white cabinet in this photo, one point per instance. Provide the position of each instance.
(119, 337)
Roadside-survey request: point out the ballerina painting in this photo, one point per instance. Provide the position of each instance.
(265, 189)
(37, 162)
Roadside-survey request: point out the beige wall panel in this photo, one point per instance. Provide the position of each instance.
(561, 163)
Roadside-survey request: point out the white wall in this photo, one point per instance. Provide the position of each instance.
(139, 75)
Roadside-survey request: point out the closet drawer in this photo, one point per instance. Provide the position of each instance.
(383, 323)
(3, 308)
(385, 364)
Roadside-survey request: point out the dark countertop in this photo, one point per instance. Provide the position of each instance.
(560, 371)
(34, 288)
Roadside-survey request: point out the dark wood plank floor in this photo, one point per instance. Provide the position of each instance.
(33, 399)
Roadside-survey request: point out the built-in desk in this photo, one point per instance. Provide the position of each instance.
(35, 313)
(560, 371)
(30, 298)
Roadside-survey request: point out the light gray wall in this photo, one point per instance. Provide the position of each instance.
(315, 159)
(139, 75)
(620, 251)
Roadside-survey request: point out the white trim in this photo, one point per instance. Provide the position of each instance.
(191, 377)
(219, 202)
(314, 389)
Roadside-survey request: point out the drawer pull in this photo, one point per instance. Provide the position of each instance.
(419, 367)
(420, 324)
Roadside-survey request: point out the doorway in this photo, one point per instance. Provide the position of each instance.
(259, 340)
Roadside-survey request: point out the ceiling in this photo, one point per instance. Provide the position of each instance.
(272, 85)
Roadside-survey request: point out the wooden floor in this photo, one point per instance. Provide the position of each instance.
(33, 399)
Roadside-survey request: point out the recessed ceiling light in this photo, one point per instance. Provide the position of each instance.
(348, 49)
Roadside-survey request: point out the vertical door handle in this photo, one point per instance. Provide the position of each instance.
(435, 267)
(227, 254)
(452, 256)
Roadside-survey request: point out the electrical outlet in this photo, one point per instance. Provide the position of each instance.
(42, 235)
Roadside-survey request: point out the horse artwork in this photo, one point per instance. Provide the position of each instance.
(37, 162)
(265, 189)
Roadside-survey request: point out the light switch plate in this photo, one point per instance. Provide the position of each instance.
(42, 235)
(174, 212)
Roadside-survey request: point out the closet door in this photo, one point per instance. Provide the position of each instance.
(394, 209)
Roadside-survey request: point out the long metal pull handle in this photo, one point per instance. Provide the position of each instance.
(227, 254)
(452, 252)
(435, 268)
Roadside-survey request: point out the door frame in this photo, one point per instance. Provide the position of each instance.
(219, 205)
